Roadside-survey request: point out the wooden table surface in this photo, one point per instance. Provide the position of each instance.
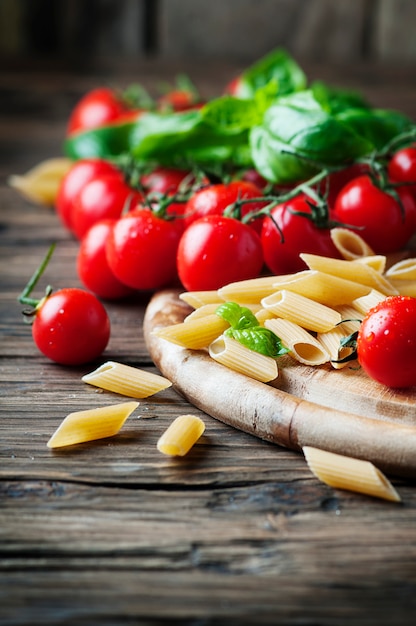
(113, 532)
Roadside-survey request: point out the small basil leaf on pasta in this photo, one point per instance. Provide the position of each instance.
(259, 339)
(239, 317)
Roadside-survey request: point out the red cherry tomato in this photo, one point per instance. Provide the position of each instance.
(402, 167)
(163, 180)
(179, 100)
(386, 343)
(214, 199)
(337, 180)
(141, 249)
(217, 250)
(102, 198)
(98, 107)
(281, 248)
(92, 265)
(378, 214)
(81, 173)
(71, 327)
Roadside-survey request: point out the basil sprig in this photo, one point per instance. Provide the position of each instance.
(245, 328)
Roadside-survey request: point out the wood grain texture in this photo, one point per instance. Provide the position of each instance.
(112, 532)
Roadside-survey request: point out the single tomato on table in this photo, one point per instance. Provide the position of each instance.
(386, 342)
(217, 250)
(385, 219)
(290, 230)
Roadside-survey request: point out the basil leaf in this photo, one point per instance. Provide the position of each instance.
(260, 340)
(379, 126)
(335, 100)
(298, 128)
(279, 67)
(237, 316)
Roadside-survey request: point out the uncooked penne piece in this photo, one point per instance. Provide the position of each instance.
(209, 309)
(194, 334)
(251, 290)
(365, 303)
(376, 261)
(195, 299)
(91, 424)
(351, 318)
(302, 311)
(354, 271)
(126, 380)
(331, 341)
(302, 345)
(235, 356)
(342, 472)
(405, 287)
(349, 243)
(41, 183)
(402, 270)
(324, 288)
(181, 435)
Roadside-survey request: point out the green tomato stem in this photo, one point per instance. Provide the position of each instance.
(24, 297)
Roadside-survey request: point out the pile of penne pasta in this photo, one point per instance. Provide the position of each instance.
(311, 311)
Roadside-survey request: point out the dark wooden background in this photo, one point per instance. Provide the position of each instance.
(86, 33)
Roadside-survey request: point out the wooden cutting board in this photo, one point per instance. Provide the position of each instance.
(342, 411)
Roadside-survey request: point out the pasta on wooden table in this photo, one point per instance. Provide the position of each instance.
(181, 435)
(196, 299)
(91, 424)
(323, 287)
(126, 380)
(349, 243)
(344, 472)
(252, 290)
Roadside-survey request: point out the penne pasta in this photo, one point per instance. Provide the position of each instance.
(331, 342)
(349, 244)
(302, 345)
(376, 261)
(237, 357)
(365, 303)
(83, 426)
(126, 380)
(405, 287)
(302, 311)
(348, 473)
(355, 271)
(252, 290)
(194, 334)
(323, 287)
(402, 270)
(41, 183)
(181, 435)
(195, 299)
(351, 318)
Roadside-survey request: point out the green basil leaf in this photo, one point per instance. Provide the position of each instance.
(335, 100)
(297, 127)
(278, 68)
(260, 340)
(378, 126)
(237, 316)
(231, 114)
(105, 142)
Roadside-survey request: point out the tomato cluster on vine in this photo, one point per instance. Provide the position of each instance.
(166, 226)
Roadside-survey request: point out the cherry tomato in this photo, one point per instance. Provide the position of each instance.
(92, 265)
(378, 214)
(141, 249)
(71, 327)
(104, 197)
(179, 100)
(337, 181)
(281, 248)
(214, 199)
(386, 343)
(98, 107)
(402, 167)
(217, 250)
(163, 180)
(81, 173)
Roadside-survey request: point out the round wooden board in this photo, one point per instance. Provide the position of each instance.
(342, 411)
